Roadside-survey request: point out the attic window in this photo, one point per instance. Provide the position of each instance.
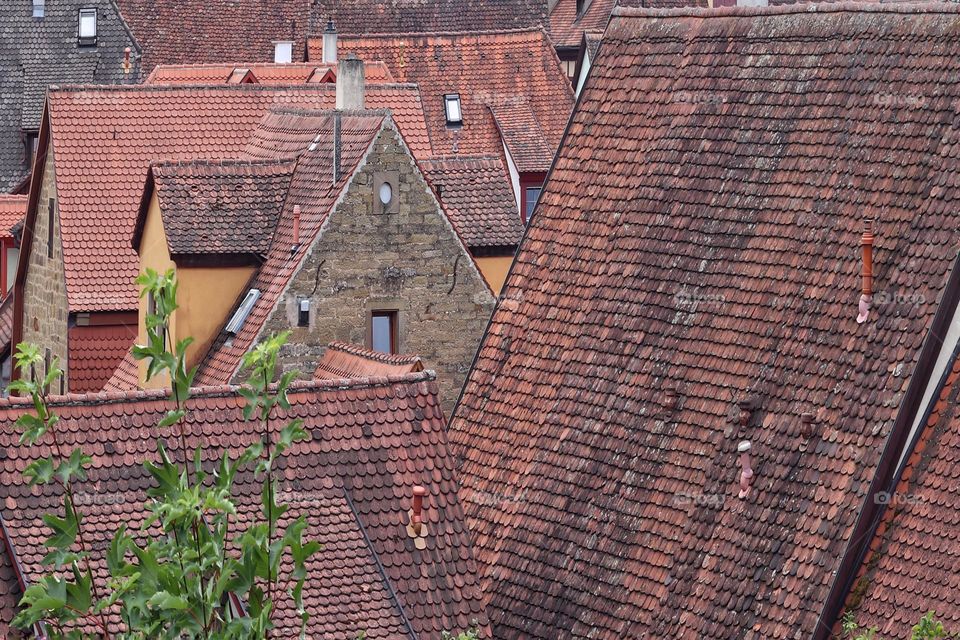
(87, 29)
(243, 312)
(303, 313)
(451, 103)
(39, 7)
(283, 52)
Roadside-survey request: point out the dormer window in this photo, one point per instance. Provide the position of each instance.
(87, 29)
(243, 312)
(451, 103)
(39, 8)
(283, 52)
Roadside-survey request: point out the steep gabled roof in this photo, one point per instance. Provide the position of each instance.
(477, 197)
(371, 441)
(348, 361)
(12, 211)
(222, 208)
(700, 235)
(363, 17)
(198, 31)
(116, 133)
(522, 136)
(273, 74)
(486, 69)
(307, 136)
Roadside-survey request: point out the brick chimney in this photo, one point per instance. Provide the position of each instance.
(330, 43)
(351, 84)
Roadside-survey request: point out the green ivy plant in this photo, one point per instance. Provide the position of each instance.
(192, 572)
(929, 628)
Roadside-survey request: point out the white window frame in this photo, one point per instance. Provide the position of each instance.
(286, 47)
(87, 12)
(39, 8)
(453, 118)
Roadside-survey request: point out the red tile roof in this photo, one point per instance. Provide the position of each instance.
(523, 137)
(12, 211)
(477, 198)
(103, 132)
(95, 352)
(372, 441)
(700, 232)
(486, 69)
(567, 27)
(314, 190)
(6, 323)
(349, 361)
(10, 594)
(225, 207)
(272, 74)
(362, 17)
(126, 377)
(195, 31)
(912, 564)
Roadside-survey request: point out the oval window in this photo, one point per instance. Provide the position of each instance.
(386, 193)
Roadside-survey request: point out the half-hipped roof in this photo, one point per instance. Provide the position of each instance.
(371, 442)
(342, 360)
(698, 246)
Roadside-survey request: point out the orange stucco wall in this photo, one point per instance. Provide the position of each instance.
(494, 270)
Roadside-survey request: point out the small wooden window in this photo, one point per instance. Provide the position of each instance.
(383, 331)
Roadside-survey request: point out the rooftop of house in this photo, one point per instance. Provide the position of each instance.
(511, 70)
(911, 565)
(102, 131)
(200, 31)
(477, 198)
(276, 74)
(95, 353)
(371, 441)
(363, 17)
(698, 245)
(348, 361)
(220, 207)
(126, 377)
(13, 208)
(37, 52)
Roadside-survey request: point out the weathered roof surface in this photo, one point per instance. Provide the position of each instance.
(95, 352)
(198, 31)
(477, 197)
(371, 442)
(567, 27)
(700, 232)
(6, 323)
(363, 17)
(117, 133)
(486, 69)
(12, 211)
(126, 377)
(911, 566)
(313, 189)
(274, 74)
(348, 361)
(10, 594)
(219, 207)
(522, 136)
(37, 53)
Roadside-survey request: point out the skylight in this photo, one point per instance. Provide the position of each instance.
(39, 8)
(454, 113)
(243, 312)
(88, 26)
(283, 52)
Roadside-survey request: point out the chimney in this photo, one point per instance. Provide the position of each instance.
(416, 529)
(351, 84)
(866, 296)
(330, 43)
(126, 60)
(746, 472)
(296, 227)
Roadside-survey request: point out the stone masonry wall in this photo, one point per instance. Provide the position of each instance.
(410, 261)
(45, 292)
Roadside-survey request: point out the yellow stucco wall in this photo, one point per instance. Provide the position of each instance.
(494, 270)
(205, 295)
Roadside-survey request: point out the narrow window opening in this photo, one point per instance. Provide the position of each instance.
(51, 218)
(87, 29)
(532, 195)
(303, 313)
(383, 331)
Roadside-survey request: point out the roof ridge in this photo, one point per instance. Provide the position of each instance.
(193, 88)
(927, 7)
(216, 391)
(379, 356)
(437, 34)
(222, 162)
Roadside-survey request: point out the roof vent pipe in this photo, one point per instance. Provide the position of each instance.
(351, 84)
(296, 227)
(746, 471)
(866, 296)
(330, 43)
(416, 529)
(126, 61)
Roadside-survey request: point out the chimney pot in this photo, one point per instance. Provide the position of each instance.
(296, 226)
(126, 60)
(330, 43)
(866, 296)
(746, 471)
(351, 84)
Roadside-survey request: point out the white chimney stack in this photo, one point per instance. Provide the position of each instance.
(351, 84)
(330, 44)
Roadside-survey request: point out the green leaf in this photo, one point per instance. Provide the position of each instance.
(167, 601)
(39, 472)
